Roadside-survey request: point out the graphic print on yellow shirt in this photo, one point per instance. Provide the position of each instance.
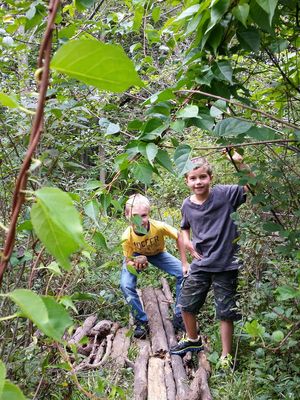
(150, 244)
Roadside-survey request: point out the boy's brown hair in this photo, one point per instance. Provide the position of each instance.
(200, 162)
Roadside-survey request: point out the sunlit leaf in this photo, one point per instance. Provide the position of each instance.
(49, 316)
(12, 392)
(143, 173)
(8, 101)
(182, 159)
(188, 112)
(57, 224)
(104, 66)
(151, 151)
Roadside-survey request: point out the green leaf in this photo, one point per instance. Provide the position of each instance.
(226, 70)
(218, 9)
(94, 184)
(272, 227)
(57, 224)
(104, 66)
(12, 392)
(132, 270)
(151, 151)
(261, 133)
(100, 240)
(188, 112)
(188, 12)
(2, 377)
(241, 12)
(231, 127)
(254, 329)
(164, 160)
(49, 316)
(249, 39)
(287, 292)
(112, 129)
(81, 5)
(92, 210)
(143, 173)
(8, 101)
(182, 159)
(156, 14)
(269, 6)
(277, 336)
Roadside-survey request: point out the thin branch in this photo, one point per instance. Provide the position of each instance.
(237, 104)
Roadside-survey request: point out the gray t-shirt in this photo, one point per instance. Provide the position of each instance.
(213, 230)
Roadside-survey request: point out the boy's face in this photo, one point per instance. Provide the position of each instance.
(142, 211)
(199, 181)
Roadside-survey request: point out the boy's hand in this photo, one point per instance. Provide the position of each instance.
(233, 156)
(185, 268)
(140, 262)
(193, 252)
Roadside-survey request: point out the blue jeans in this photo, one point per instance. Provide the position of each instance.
(164, 261)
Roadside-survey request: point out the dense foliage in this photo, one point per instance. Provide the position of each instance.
(137, 88)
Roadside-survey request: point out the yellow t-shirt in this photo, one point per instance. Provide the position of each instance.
(151, 243)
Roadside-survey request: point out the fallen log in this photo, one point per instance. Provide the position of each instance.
(158, 337)
(199, 385)
(120, 347)
(83, 330)
(102, 328)
(167, 323)
(166, 290)
(169, 381)
(156, 379)
(180, 377)
(140, 390)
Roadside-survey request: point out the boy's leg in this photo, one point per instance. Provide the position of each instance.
(226, 329)
(190, 323)
(128, 287)
(225, 292)
(170, 264)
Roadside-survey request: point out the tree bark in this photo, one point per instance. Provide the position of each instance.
(167, 323)
(158, 337)
(83, 330)
(169, 381)
(166, 290)
(120, 347)
(140, 390)
(180, 377)
(156, 379)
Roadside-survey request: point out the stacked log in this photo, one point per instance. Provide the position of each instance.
(159, 375)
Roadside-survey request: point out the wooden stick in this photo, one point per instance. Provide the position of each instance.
(83, 330)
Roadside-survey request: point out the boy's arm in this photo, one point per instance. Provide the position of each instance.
(181, 249)
(189, 245)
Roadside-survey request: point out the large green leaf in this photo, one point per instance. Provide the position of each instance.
(92, 210)
(12, 392)
(164, 160)
(57, 224)
(151, 151)
(189, 111)
(8, 101)
(143, 173)
(231, 127)
(104, 66)
(182, 159)
(83, 4)
(241, 12)
(262, 133)
(49, 316)
(269, 6)
(249, 39)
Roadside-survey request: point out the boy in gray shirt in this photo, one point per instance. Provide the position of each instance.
(206, 213)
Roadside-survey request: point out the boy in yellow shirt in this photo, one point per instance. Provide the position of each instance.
(148, 242)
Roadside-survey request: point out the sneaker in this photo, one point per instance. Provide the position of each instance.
(141, 330)
(178, 323)
(185, 345)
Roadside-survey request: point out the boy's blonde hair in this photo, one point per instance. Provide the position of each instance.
(136, 199)
(200, 162)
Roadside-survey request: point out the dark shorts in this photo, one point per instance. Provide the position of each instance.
(196, 286)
